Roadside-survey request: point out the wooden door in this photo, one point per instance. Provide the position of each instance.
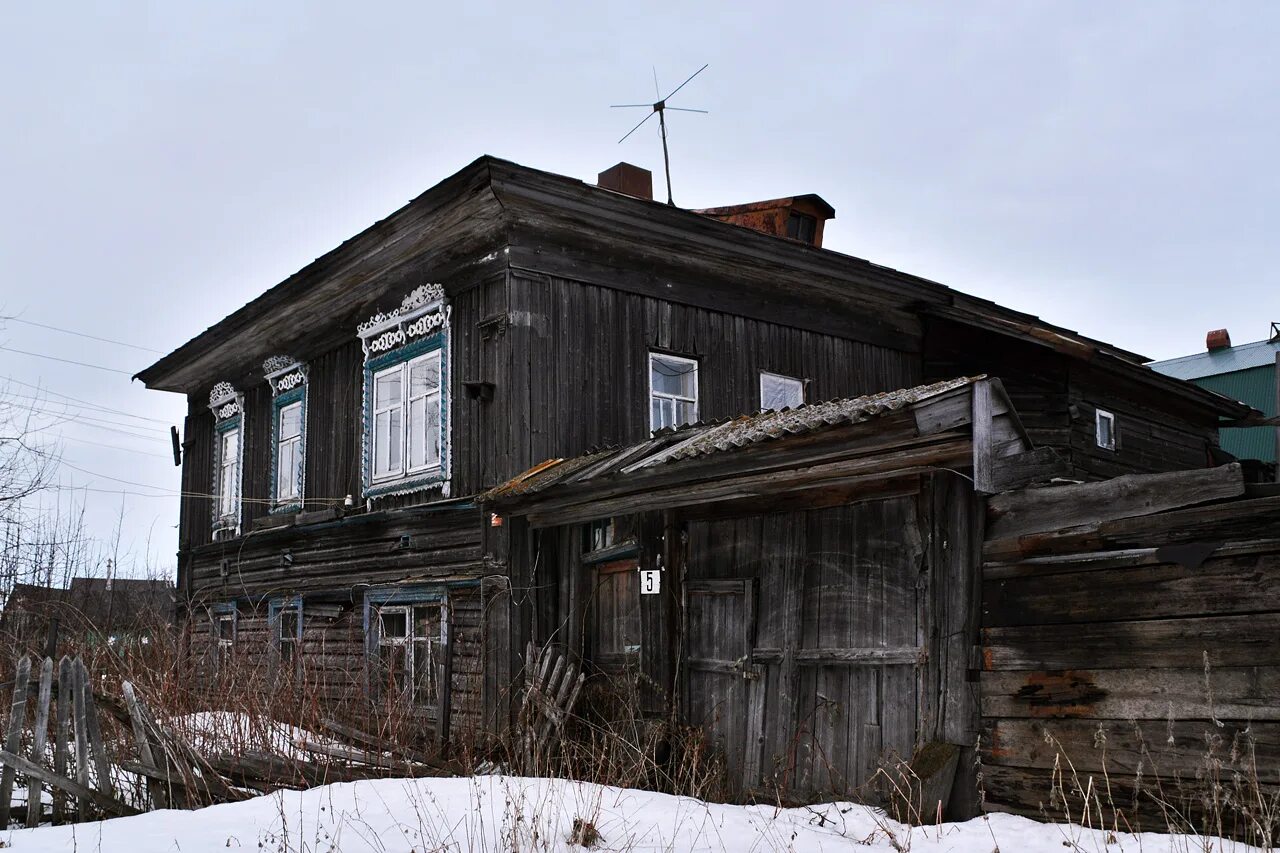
(724, 691)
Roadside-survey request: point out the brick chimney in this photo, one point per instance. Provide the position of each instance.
(799, 217)
(1217, 339)
(628, 180)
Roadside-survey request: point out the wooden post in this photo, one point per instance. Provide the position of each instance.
(39, 740)
(446, 678)
(102, 763)
(145, 755)
(13, 740)
(78, 688)
(62, 736)
(983, 440)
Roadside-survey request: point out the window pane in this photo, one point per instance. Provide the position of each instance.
(286, 470)
(424, 376)
(290, 421)
(230, 444)
(655, 414)
(386, 389)
(686, 413)
(395, 417)
(394, 623)
(382, 443)
(417, 433)
(288, 624)
(433, 430)
(670, 376)
(780, 392)
(226, 628)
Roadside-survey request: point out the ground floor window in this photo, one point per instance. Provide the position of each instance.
(615, 612)
(224, 632)
(285, 617)
(408, 637)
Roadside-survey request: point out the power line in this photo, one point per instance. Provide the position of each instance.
(89, 403)
(80, 334)
(112, 446)
(68, 361)
(68, 416)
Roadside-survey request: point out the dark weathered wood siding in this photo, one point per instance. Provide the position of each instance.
(1056, 398)
(1102, 649)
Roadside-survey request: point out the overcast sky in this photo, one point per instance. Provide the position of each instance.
(1109, 167)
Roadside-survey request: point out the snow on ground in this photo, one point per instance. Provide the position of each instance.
(226, 731)
(518, 815)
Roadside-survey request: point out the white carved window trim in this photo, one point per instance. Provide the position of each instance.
(780, 381)
(227, 406)
(422, 315)
(660, 401)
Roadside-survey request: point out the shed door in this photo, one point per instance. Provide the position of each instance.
(725, 692)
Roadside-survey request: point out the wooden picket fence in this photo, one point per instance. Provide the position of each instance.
(91, 778)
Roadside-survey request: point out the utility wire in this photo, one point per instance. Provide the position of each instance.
(89, 421)
(79, 334)
(89, 403)
(68, 361)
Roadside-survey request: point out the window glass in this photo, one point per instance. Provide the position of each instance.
(1106, 430)
(228, 477)
(779, 392)
(408, 653)
(291, 421)
(673, 383)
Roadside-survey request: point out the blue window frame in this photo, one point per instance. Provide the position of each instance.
(288, 381)
(228, 457)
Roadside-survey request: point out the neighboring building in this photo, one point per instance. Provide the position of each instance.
(341, 425)
(1247, 372)
(92, 610)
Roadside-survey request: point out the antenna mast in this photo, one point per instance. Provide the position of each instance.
(660, 108)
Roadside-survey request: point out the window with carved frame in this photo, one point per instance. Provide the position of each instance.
(406, 396)
(227, 407)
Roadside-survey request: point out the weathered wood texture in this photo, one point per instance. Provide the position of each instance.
(812, 645)
(1057, 396)
(1142, 639)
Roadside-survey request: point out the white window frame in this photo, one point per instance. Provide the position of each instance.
(434, 645)
(229, 490)
(673, 398)
(1099, 416)
(767, 375)
(296, 440)
(405, 368)
(226, 645)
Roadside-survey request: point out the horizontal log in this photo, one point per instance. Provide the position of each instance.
(1097, 560)
(869, 655)
(1242, 584)
(1224, 693)
(1180, 748)
(1180, 643)
(1240, 519)
(1059, 507)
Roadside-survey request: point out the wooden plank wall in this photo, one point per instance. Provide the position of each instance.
(1105, 646)
(1056, 400)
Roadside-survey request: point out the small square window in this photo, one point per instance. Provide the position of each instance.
(778, 392)
(1105, 430)
(673, 390)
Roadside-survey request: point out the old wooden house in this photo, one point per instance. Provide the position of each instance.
(341, 426)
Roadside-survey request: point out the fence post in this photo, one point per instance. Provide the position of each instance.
(41, 736)
(62, 735)
(13, 740)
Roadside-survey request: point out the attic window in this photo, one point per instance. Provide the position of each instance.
(778, 392)
(1105, 430)
(802, 226)
(673, 390)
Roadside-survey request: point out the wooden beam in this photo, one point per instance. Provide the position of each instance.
(110, 805)
(875, 655)
(983, 438)
(1061, 507)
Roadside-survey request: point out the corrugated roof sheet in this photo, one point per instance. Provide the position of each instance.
(1216, 362)
(705, 439)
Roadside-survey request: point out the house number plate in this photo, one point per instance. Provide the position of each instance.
(650, 581)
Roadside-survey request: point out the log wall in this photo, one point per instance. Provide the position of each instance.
(1131, 639)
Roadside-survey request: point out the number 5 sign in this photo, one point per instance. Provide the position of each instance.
(650, 581)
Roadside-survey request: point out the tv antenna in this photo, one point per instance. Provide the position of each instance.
(659, 108)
